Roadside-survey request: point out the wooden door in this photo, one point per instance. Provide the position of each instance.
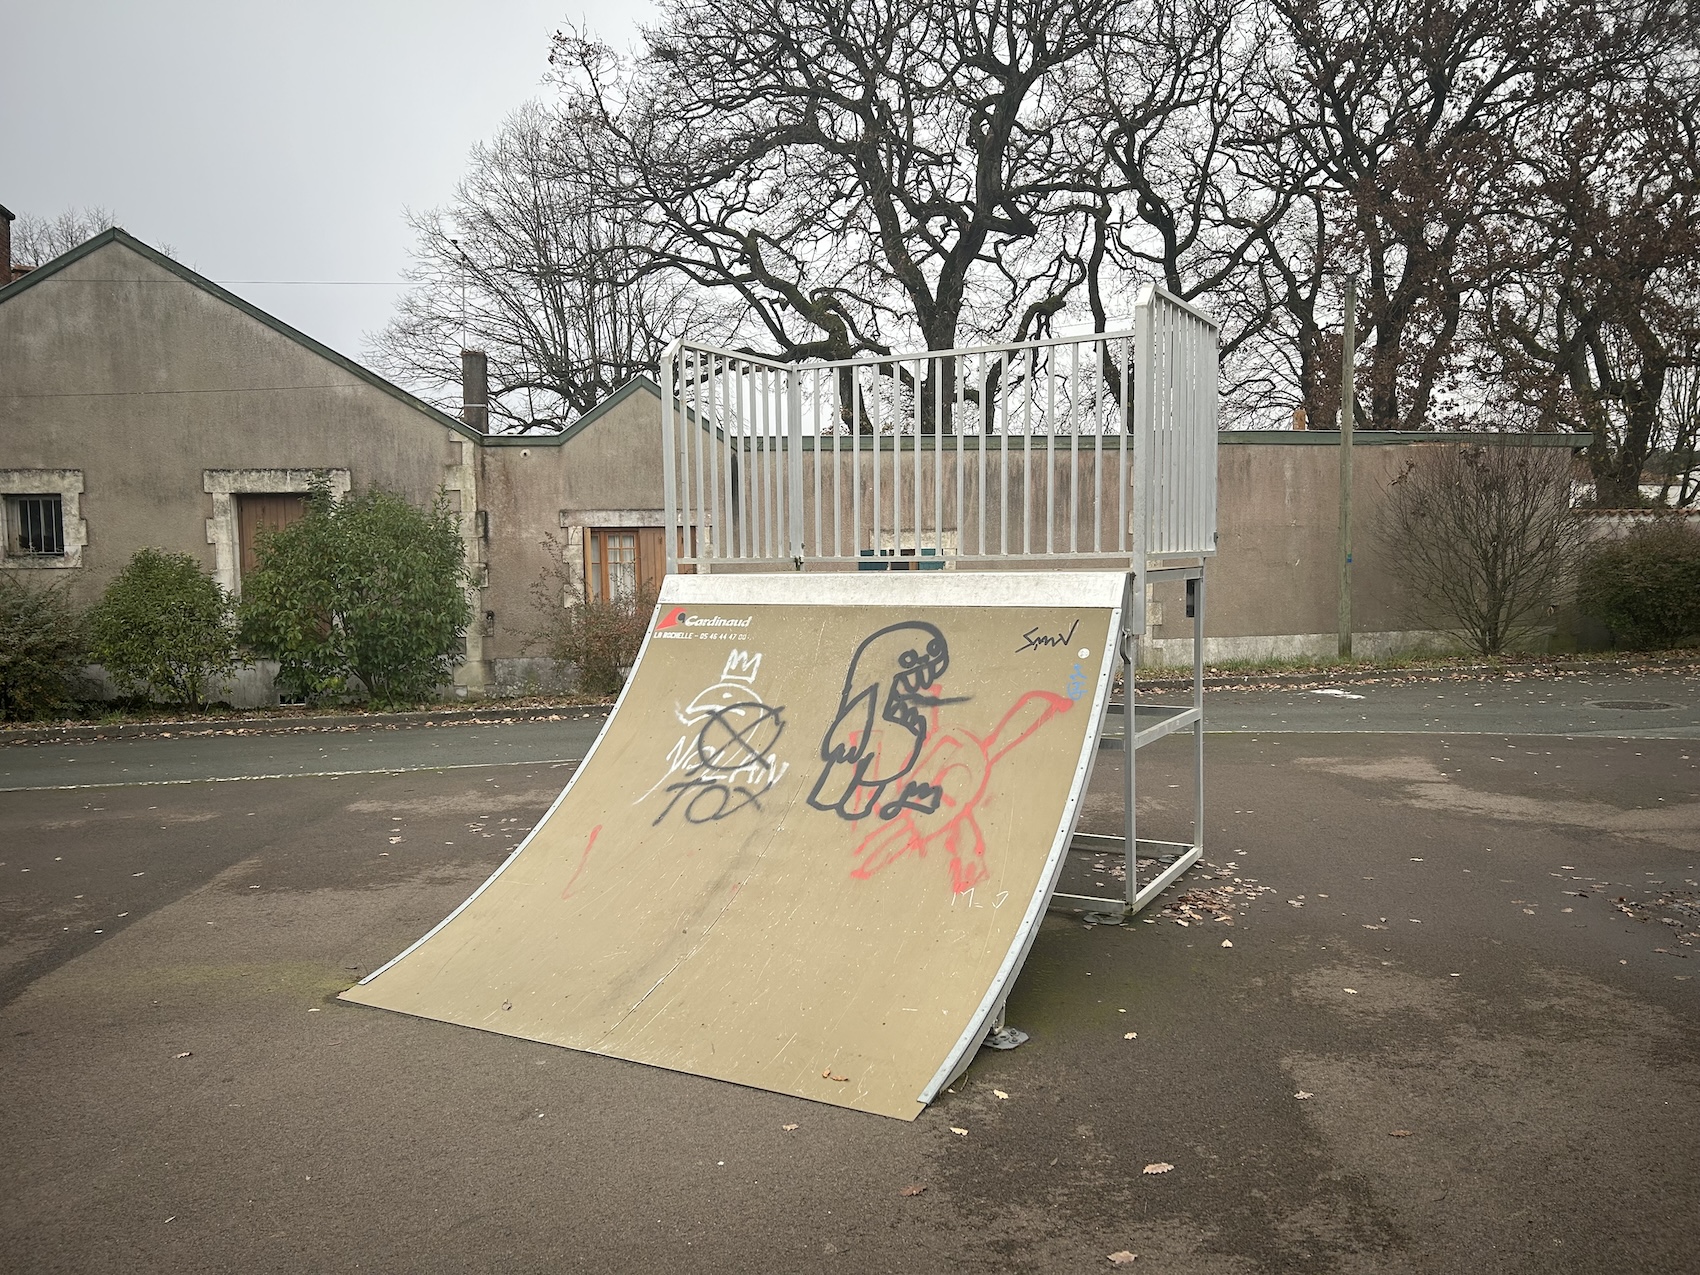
(256, 511)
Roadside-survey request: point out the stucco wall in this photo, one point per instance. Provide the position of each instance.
(145, 383)
(604, 472)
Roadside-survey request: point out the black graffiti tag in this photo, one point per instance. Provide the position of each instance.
(891, 681)
(730, 764)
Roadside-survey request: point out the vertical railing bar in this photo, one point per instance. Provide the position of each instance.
(980, 441)
(1177, 456)
(1003, 457)
(771, 484)
(1122, 402)
(837, 417)
(711, 455)
(856, 462)
(938, 458)
(961, 364)
(669, 481)
(795, 548)
(677, 539)
(878, 523)
(758, 464)
(693, 535)
(1074, 447)
(1050, 450)
(728, 547)
(753, 458)
(1190, 423)
(815, 459)
(1098, 351)
(915, 456)
(742, 474)
(896, 459)
(1195, 501)
(1027, 456)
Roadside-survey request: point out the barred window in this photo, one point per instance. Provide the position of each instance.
(35, 526)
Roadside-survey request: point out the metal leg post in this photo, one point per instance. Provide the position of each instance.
(1198, 703)
(1130, 816)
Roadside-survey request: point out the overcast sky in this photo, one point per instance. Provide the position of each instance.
(277, 142)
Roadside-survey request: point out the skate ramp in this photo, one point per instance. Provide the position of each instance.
(813, 843)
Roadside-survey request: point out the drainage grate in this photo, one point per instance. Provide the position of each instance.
(1633, 705)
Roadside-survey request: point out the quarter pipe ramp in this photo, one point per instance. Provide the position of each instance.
(813, 843)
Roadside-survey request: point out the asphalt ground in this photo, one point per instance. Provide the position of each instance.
(1470, 950)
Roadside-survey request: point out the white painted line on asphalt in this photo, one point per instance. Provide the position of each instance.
(304, 774)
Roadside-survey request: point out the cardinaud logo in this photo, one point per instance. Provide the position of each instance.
(677, 620)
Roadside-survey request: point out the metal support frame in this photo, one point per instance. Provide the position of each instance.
(768, 463)
(1134, 735)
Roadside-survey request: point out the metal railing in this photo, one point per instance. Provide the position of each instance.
(1092, 448)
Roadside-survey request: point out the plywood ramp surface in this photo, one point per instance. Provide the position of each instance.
(812, 844)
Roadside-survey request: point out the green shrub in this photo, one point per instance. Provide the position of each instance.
(1646, 586)
(370, 588)
(163, 627)
(43, 647)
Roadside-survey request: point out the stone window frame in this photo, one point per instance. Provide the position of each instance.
(577, 523)
(224, 485)
(67, 484)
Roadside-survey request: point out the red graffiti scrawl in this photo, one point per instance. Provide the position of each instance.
(957, 765)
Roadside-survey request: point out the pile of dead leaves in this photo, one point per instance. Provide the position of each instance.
(1215, 903)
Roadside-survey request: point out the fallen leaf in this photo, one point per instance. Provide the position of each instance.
(1159, 1167)
(961, 1133)
(186, 1053)
(827, 1075)
(1131, 1036)
(998, 1093)
(787, 1127)
(1303, 1093)
(1123, 1258)
(1227, 943)
(1398, 1133)
(912, 1190)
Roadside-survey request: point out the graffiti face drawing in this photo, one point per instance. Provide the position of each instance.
(882, 723)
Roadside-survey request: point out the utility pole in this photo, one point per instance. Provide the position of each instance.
(1348, 357)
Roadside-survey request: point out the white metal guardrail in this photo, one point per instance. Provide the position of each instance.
(1099, 448)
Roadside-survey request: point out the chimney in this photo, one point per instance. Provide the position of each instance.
(475, 390)
(6, 220)
(1298, 418)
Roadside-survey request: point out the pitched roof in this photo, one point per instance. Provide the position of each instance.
(123, 237)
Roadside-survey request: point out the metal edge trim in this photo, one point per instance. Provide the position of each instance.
(1039, 903)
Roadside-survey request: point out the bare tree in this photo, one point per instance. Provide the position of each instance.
(1602, 304)
(1484, 538)
(539, 263)
(37, 240)
(857, 173)
(1678, 454)
(1405, 117)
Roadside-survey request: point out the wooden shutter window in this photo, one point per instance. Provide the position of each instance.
(256, 511)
